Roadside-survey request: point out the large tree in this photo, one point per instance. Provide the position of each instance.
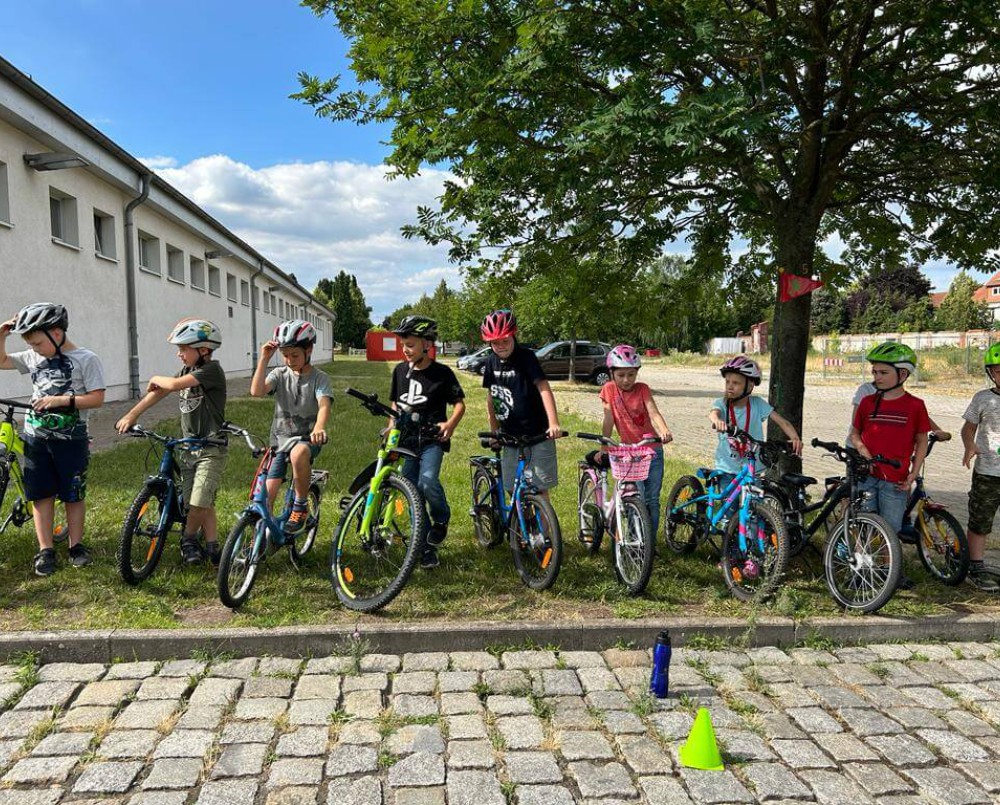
(783, 122)
(343, 295)
(959, 310)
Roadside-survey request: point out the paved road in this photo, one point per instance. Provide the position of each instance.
(893, 724)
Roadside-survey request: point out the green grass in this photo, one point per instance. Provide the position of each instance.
(471, 584)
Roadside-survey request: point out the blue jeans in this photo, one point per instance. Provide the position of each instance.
(885, 499)
(650, 488)
(425, 472)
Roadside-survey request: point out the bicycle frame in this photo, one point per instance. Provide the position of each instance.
(521, 487)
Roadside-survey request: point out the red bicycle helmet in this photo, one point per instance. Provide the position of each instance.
(498, 324)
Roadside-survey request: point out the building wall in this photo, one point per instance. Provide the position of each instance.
(35, 266)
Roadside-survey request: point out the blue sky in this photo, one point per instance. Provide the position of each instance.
(200, 91)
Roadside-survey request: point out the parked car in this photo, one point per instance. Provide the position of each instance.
(476, 362)
(591, 361)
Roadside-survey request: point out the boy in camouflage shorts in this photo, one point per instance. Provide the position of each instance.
(981, 437)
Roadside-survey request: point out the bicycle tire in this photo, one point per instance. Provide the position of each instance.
(60, 526)
(633, 551)
(851, 578)
(941, 537)
(485, 517)
(537, 554)
(141, 531)
(367, 577)
(755, 573)
(303, 543)
(681, 528)
(4, 483)
(589, 514)
(240, 560)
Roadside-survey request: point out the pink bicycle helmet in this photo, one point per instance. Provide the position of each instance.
(498, 324)
(623, 357)
(741, 364)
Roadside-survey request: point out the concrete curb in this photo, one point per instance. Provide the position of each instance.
(109, 646)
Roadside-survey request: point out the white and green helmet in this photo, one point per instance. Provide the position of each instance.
(895, 354)
(195, 333)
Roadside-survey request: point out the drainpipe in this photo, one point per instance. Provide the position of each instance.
(253, 311)
(132, 316)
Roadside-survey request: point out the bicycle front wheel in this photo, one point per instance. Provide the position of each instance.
(4, 483)
(485, 518)
(537, 551)
(589, 513)
(367, 572)
(241, 558)
(633, 546)
(754, 559)
(684, 522)
(863, 563)
(942, 546)
(142, 539)
(303, 543)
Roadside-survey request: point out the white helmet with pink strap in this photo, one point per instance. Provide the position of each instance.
(623, 357)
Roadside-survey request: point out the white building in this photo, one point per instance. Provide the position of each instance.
(85, 224)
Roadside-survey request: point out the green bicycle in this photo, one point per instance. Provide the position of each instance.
(12, 476)
(381, 533)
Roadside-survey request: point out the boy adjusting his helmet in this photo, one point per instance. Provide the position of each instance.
(201, 394)
(302, 398)
(67, 382)
(425, 387)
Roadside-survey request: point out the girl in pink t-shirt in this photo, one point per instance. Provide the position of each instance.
(629, 408)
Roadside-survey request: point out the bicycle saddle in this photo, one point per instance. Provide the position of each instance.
(795, 479)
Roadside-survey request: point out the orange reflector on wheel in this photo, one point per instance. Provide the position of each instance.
(142, 511)
(152, 548)
(58, 531)
(737, 576)
(547, 558)
(399, 506)
(348, 575)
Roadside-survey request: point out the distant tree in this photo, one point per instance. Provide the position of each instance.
(883, 293)
(959, 311)
(829, 312)
(345, 298)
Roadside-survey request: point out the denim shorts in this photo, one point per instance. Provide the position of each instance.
(279, 464)
(56, 468)
(541, 469)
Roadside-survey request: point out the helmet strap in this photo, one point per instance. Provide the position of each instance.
(58, 346)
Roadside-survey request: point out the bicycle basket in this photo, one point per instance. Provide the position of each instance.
(630, 463)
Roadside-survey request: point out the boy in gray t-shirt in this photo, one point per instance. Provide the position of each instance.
(302, 397)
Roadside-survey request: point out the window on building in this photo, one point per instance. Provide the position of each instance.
(256, 298)
(4, 194)
(149, 253)
(281, 308)
(995, 291)
(197, 273)
(62, 214)
(267, 302)
(105, 243)
(175, 264)
(214, 281)
(245, 292)
(231, 289)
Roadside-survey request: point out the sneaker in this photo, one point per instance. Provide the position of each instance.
(45, 562)
(79, 556)
(437, 533)
(191, 551)
(296, 522)
(430, 558)
(214, 552)
(983, 581)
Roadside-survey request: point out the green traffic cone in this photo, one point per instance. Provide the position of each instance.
(701, 751)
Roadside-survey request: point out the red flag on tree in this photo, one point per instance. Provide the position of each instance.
(792, 285)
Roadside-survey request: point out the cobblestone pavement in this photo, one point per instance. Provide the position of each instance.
(889, 724)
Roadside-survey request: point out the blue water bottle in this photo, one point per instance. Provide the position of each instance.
(659, 681)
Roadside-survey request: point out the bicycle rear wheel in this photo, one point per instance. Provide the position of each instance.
(753, 568)
(367, 572)
(142, 539)
(684, 522)
(241, 558)
(4, 483)
(633, 546)
(537, 553)
(589, 513)
(485, 518)
(942, 546)
(304, 542)
(863, 565)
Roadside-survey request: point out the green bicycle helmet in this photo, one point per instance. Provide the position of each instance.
(992, 357)
(895, 354)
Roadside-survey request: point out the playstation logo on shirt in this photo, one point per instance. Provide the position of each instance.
(414, 395)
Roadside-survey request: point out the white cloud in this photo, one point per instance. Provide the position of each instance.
(158, 163)
(316, 219)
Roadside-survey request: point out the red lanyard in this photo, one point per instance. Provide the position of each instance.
(740, 447)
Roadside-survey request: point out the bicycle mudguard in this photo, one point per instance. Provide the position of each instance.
(484, 461)
(363, 479)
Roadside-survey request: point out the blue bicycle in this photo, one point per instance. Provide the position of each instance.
(258, 533)
(528, 520)
(754, 538)
(157, 508)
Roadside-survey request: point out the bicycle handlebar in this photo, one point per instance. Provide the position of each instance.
(15, 404)
(847, 454)
(508, 440)
(373, 404)
(607, 442)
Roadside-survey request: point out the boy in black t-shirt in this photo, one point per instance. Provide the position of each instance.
(520, 401)
(422, 385)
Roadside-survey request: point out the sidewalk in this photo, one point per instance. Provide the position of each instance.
(891, 723)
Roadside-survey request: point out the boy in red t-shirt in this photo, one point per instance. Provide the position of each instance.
(629, 407)
(893, 423)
